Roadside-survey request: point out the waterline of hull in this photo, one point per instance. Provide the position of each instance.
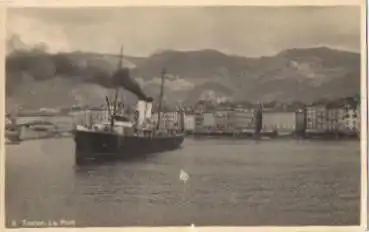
(97, 146)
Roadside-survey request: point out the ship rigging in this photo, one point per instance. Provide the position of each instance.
(122, 138)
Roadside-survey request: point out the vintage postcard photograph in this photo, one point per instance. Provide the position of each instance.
(163, 116)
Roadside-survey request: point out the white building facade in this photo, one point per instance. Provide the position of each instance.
(282, 122)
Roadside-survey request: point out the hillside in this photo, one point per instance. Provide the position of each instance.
(295, 74)
(300, 74)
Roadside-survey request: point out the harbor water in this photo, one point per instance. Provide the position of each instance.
(228, 182)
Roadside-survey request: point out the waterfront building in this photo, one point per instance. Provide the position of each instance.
(190, 122)
(199, 119)
(358, 119)
(242, 120)
(90, 116)
(350, 119)
(98, 115)
(316, 118)
(171, 119)
(208, 120)
(300, 121)
(168, 120)
(222, 122)
(8, 121)
(334, 117)
(283, 122)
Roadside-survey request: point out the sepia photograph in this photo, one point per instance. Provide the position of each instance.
(162, 116)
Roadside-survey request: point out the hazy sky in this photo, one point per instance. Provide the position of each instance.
(247, 31)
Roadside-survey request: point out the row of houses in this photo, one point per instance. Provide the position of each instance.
(317, 118)
(243, 121)
(223, 120)
(333, 117)
(91, 116)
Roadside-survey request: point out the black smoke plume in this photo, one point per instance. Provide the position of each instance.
(41, 66)
(122, 78)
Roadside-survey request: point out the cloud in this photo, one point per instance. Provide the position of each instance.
(34, 32)
(247, 31)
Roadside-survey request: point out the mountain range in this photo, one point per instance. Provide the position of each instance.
(296, 74)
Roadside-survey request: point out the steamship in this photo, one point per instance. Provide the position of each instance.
(124, 137)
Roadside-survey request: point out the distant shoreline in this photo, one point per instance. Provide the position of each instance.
(20, 115)
(230, 135)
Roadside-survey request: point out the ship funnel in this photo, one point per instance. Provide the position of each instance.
(144, 109)
(141, 108)
(148, 109)
(182, 119)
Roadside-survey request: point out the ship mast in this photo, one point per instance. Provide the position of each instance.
(163, 72)
(259, 118)
(120, 66)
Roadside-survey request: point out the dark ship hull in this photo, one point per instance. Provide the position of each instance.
(103, 146)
